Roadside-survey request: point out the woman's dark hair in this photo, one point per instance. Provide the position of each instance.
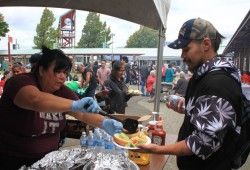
(49, 56)
(116, 65)
(34, 58)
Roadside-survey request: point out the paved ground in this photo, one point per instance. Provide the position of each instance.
(172, 121)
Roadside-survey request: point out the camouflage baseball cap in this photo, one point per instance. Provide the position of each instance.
(194, 29)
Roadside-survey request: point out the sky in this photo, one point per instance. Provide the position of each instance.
(225, 15)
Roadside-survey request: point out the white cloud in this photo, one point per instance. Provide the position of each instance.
(226, 16)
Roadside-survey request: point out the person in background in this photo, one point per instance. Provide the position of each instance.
(245, 78)
(16, 69)
(181, 86)
(128, 68)
(3, 80)
(144, 71)
(33, 110)
(169, 74)
(34, 58)
(103, 73)
(117, 95)
(88, 80)
(95, 68)
(10, 70)
(1, 75)
(163, 70)
(212, 101)
(151, 85)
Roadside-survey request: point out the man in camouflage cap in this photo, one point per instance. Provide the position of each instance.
(194, 29)
(212, 101)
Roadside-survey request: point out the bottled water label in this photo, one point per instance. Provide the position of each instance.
(109, 146)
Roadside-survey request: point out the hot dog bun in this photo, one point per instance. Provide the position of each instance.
(121, 139)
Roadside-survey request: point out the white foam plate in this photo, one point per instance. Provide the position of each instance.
(132, 148)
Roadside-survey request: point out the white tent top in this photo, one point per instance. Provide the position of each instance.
(150, 13)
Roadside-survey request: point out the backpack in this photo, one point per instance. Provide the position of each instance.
(236, 144)
(239, 138)
(242, 140)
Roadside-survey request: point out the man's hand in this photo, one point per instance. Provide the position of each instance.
(85, 105)
(111, 126)
(178, 105)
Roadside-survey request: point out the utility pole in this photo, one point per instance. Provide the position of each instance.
(112, 57)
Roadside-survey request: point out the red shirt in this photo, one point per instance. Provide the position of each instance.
(27, 133)
(150, 83)
(245, 78)
(2, 83)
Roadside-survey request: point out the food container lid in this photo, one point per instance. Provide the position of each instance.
(152, 122)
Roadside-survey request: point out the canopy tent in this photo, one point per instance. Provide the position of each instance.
(149, 13)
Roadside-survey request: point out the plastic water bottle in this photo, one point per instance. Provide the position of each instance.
(108, 145)
(91, 140)
(99, 142)
(84, 140)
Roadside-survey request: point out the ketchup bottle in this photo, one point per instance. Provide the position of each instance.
(151, 128)
(159, 134)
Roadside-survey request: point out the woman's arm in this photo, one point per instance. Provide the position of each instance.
(91, 119)
(88, 76)
(31, 98)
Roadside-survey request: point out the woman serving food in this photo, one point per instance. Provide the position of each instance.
(33, 108)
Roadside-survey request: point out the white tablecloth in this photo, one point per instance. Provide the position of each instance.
(246, 90)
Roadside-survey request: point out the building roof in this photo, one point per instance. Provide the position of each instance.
(240, 39)
(141, 52)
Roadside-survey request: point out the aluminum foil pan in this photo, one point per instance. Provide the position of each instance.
(83, 159)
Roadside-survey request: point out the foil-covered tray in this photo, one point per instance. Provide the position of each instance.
(83, 159)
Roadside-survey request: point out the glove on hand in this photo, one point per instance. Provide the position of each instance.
(112, 126)
(86, 104)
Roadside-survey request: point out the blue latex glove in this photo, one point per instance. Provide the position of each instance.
(85, 105)
(111, 126)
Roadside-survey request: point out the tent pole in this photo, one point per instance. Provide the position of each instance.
(161, 45)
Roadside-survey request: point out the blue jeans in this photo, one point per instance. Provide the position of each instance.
(143, 84)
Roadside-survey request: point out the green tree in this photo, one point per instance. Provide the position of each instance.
(4, 26)
(143, 38)
(94, 32)
(46, 34)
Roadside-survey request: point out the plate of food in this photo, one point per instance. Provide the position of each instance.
(131, 141)
(134, 92)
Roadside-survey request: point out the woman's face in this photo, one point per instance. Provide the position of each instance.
(16, 70)
(51, 81)
(119, 74)
(10, 67)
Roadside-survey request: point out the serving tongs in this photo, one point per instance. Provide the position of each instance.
(130, 125)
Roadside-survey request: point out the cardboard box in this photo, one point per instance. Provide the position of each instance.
(142, 120)
(74, 127)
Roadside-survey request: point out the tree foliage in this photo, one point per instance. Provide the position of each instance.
(143, 38)
(94, 32)
(4, 26)
(46, 34)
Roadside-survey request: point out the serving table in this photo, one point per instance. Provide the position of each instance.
(158, 161)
